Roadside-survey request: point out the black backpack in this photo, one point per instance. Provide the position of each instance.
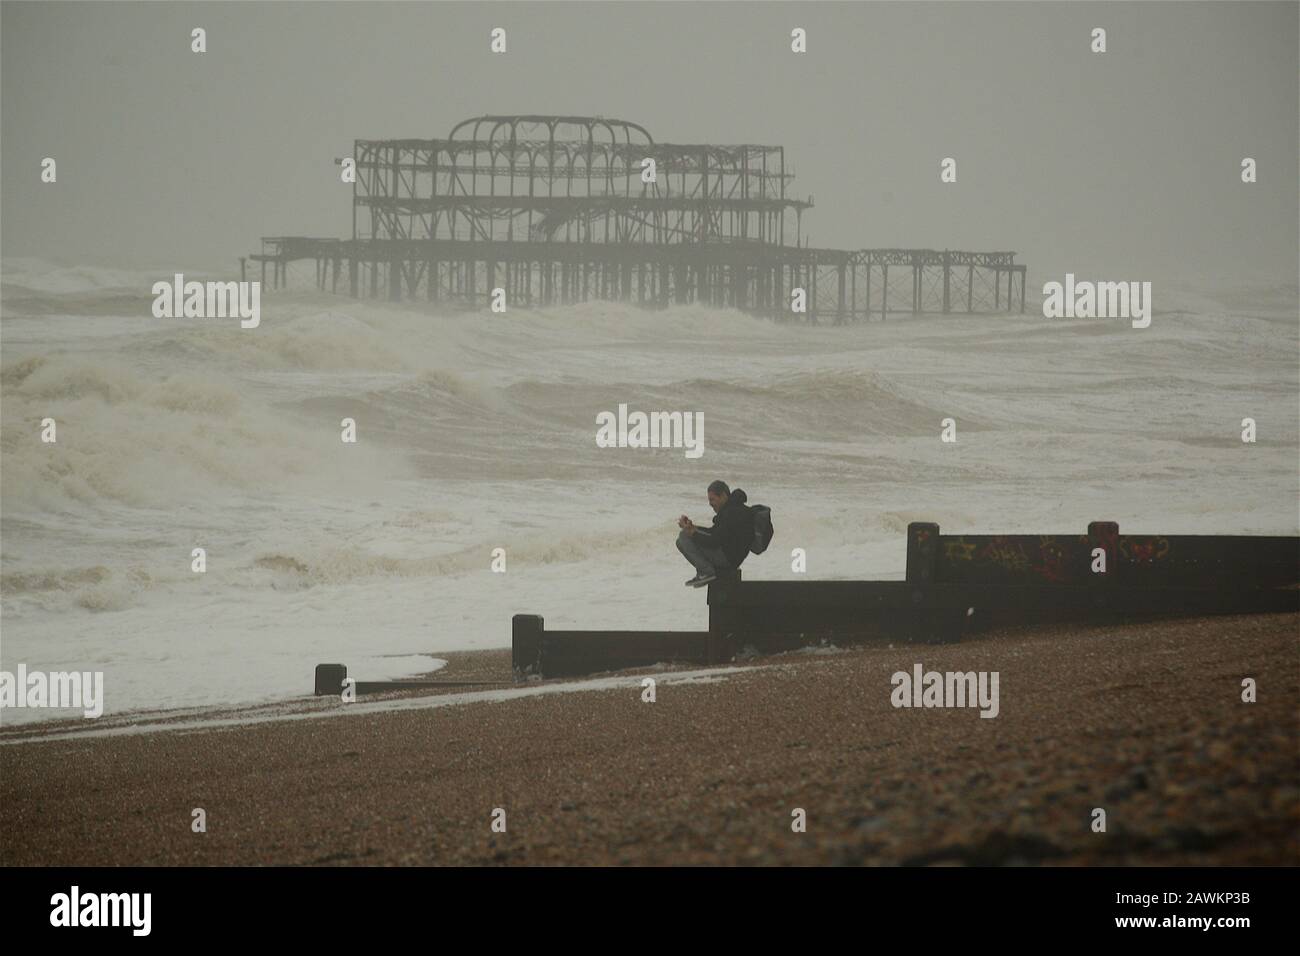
(762, 528)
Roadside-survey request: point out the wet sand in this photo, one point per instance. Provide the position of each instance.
(1145, 721)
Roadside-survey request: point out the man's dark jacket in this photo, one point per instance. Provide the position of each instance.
(732, 530)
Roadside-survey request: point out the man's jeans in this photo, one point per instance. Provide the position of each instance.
(706, 560)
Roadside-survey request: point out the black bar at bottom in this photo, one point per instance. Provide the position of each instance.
(236, 905)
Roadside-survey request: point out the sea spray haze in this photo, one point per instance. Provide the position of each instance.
(475, 434)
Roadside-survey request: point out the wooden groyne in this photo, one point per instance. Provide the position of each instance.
(332, 679)
(955, 584)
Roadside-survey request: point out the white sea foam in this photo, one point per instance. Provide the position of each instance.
(476, 432)
(325, 709)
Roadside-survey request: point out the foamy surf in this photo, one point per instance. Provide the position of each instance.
(321, 710)
(477, 432)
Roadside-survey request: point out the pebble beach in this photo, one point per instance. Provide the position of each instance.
(1144, 721)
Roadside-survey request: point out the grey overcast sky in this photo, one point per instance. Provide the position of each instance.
(1123, 165)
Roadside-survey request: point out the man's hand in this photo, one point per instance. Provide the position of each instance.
(686, 524)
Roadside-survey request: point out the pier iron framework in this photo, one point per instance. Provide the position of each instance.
(554, 210)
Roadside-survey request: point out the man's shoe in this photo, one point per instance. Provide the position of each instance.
(700, 580)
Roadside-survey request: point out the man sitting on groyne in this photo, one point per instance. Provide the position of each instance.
(722, 547)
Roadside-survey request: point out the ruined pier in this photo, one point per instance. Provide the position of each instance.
(557, 209)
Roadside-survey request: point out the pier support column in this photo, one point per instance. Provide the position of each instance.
(811, 271)
(946, 303)
(839, 310)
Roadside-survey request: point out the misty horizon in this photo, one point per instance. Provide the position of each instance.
(1122, 165)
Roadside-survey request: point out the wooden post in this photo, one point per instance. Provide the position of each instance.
(726, 618)
(1102, 586)
(329, 679)
(923, 621)
(526, 644)
(922, 553)
(1104, 535)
